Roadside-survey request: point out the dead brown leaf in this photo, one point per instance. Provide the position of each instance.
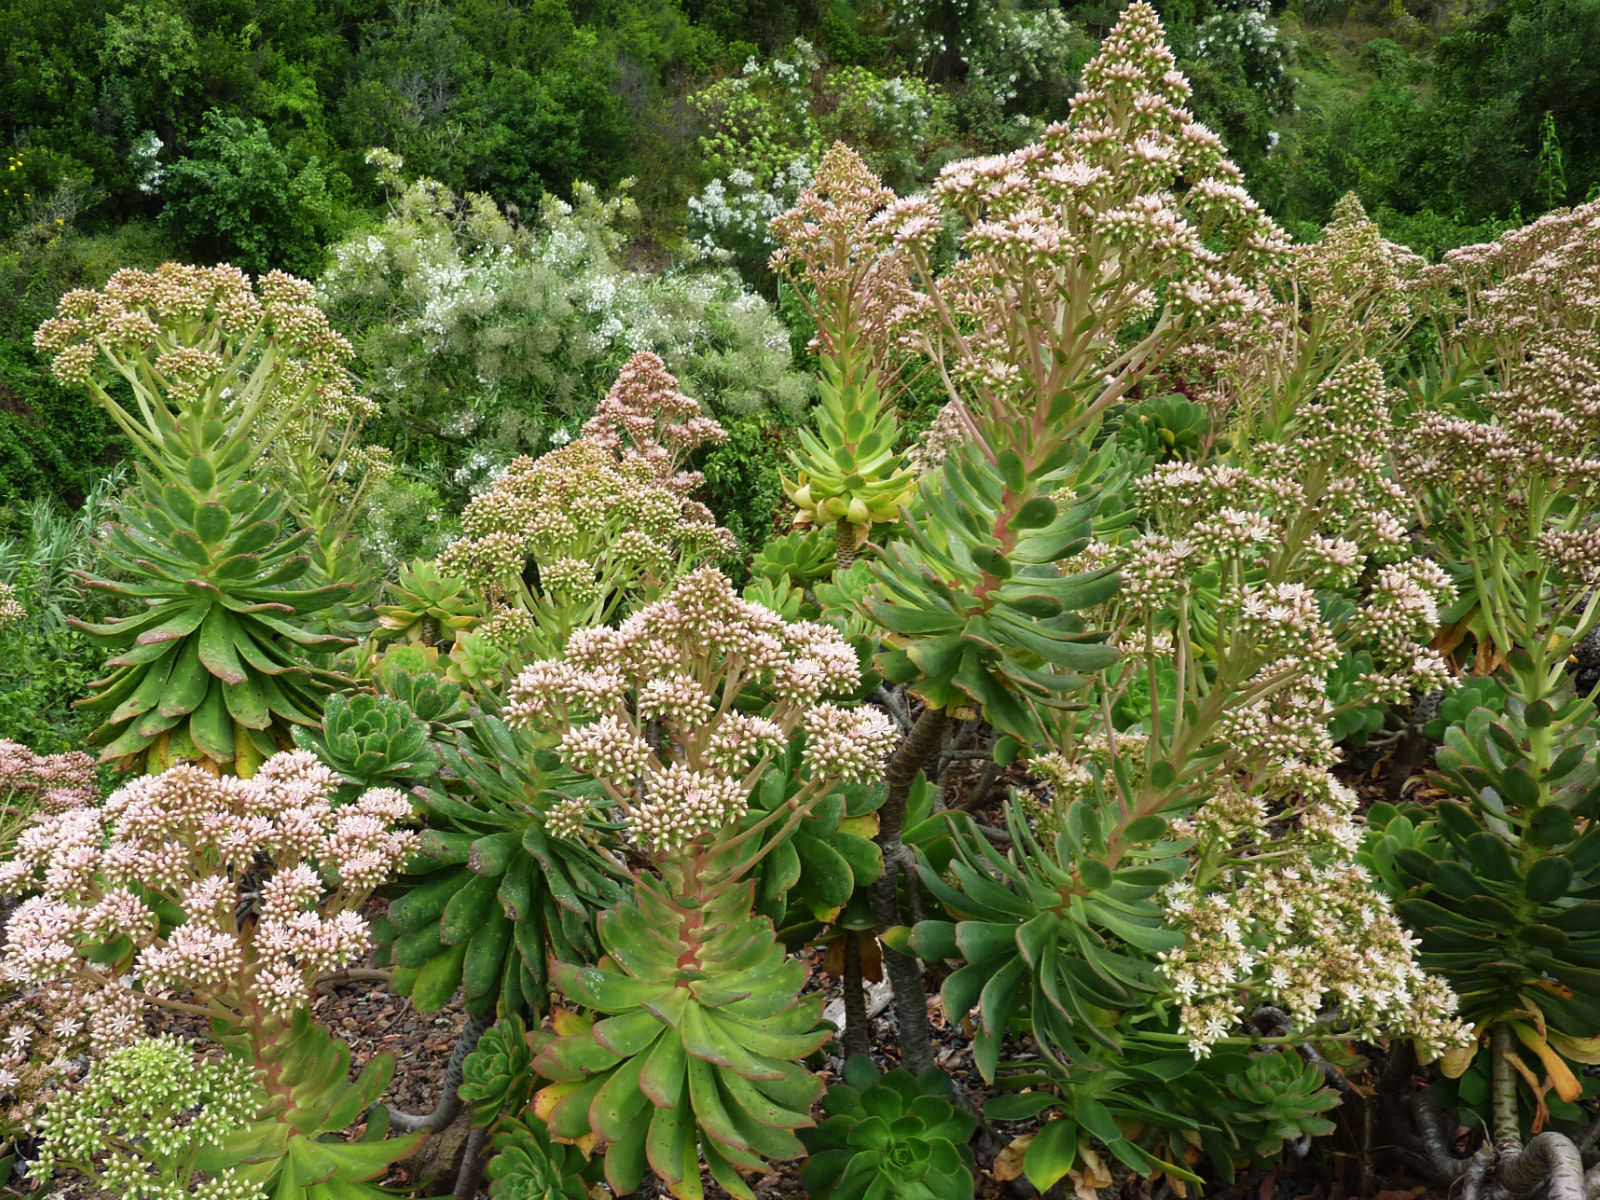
(1008, 1163)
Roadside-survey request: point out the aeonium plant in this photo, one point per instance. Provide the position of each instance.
(851, 472)
(576, 536)
(1501, 452)
(698, 1025)
(235, 549)
(1255, 586)
(1084, 264)
(1193, 870)
(1497, 880)
(222, 898)
(175, 352)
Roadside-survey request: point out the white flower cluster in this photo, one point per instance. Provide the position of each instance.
(1008, 51)
(1305, 929)
(1247, 35)
(730, 217)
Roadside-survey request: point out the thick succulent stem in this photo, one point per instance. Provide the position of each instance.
(903, 971)
(449, 1106)
(471, 1173)
(1432, 1141)
(856, 1037)
(1507, 1127)
(846, 546)
(1407, 1116)
(1550, 1163)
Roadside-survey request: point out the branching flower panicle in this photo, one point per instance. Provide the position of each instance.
(138, 1123)
(1247, 591)
(1352, 294)
(1129, 213)
(657, 710)
(1302, 928)
(604, 520)
(201, 341)
(268, 874)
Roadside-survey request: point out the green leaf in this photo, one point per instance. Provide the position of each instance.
(991, 561)
(217, 652)
(1519, 787)
(1014, 474)
(1019, 1106)
(1051, 1154)
(1035, 514)
(1491, 856)
(438, 980)
(201, 473)
(1548, 879)
(1095, 873)
(1145, 829)
(828, 880)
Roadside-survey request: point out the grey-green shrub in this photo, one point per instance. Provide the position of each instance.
(486, 339)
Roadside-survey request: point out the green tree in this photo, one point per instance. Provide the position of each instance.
(238, 197)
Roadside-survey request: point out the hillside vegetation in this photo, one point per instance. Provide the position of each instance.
(605, 530)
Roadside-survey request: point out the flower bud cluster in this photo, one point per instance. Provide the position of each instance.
(142, 1118)
(1541, 278)
(1271, 577)
(644, 415)
(204, 328)
(267, 872)
(605, 517)
(839, 248)
(1128, 216)
(649, 709)
(1315, 515)
(45, 783)
(1540, 435)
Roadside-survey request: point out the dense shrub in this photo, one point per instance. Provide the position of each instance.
(237, 197)
(486, 339)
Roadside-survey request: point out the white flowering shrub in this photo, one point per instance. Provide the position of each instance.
(769, 127)
(1019, 64)
(485, 339)
(1245, 33)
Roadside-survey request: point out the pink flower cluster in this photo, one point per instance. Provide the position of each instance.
(644, 415)
(605, 518)
(658, 710)
(1127, 216)
(50, 783)
(267, 873)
